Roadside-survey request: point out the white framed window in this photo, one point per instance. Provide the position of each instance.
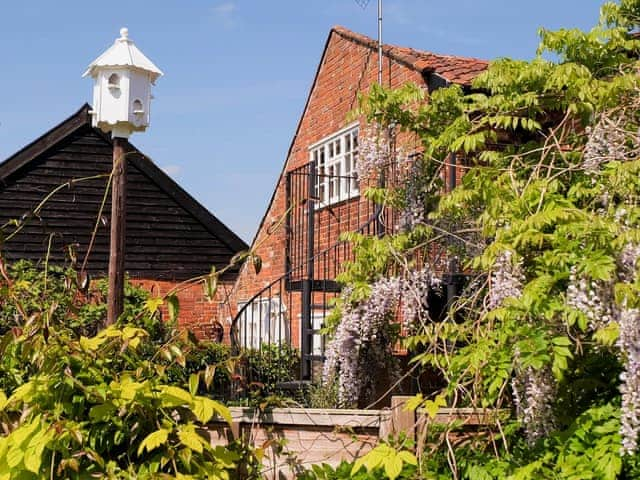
(264, 321)
(318, 340)
(335, 157)
(317, 322)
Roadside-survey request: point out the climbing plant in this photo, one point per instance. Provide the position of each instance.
(545, 222)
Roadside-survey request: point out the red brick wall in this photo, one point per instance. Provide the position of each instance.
(196, 313)
(347, 68)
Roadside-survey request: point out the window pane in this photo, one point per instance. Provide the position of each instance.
(336, 163)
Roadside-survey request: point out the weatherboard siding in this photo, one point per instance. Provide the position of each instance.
(169, 237)
(163, 240)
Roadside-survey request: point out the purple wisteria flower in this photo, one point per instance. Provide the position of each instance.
(506, 280)
(361, 343)
(592, 298)
(629, 344)
(533, 390)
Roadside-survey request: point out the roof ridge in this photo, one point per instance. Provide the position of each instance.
(82, 119)
(460, 70)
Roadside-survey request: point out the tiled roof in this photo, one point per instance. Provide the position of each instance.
(460, 70)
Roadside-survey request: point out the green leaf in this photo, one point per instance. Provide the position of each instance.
(3, 400)
(102, 412)
(194, 381)
(153, 304)
(393, 466)
(153, 441)
(33, 453)
(257, 263)
(433, 406)
(204, 408)
(211, 284)
(171, 396)
(92, 344)
(408, 457)
(607, 335)
(189, 438)
(414, 403)
(208, 375)
(173, 305)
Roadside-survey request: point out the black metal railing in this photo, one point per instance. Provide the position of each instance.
(292, 309)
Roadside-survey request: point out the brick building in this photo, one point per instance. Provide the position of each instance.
(170, 237)
(317, 195)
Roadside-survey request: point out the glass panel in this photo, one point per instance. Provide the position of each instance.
(336, 163)
(331, 185)
(264, 321)
(346, 181)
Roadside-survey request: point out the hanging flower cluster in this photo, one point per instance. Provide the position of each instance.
(628, 263)
(361, 327)
(629, 345)
(533, 390)
(375, 152)
(415, 290)
(596, 301)
(591, 298)
(413, 213)
(506, 280)
(362, 342)
(532, 393)
(606, 142)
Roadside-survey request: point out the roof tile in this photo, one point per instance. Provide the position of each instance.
(460, 70)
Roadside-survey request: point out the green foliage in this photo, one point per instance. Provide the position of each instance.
(533, 189)
(95, 406)
(270, 365)
(60, 292)
(120, 403)
(345, 470)
(212, 362)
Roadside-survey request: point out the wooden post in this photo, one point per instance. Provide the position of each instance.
(402, 421)
(118, 231)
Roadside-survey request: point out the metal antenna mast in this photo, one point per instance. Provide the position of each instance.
(380, 42)
(363, 4)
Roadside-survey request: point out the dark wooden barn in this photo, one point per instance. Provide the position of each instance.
(170, 236)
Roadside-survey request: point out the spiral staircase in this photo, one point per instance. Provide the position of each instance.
(292, 309)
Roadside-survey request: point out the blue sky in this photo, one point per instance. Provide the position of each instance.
(237, 72)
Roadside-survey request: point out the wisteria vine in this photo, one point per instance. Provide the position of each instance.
(362, 341)
(533, 390)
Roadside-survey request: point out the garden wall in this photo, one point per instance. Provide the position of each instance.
(305, 436)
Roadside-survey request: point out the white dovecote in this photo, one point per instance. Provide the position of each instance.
(122, 78)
